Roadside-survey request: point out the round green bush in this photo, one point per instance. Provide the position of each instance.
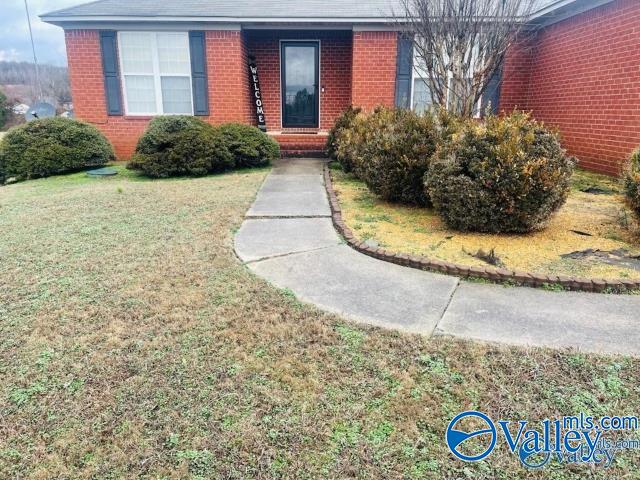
(51, 146)
(395, 153)
(341, 134)
(632, 181)
(249, 146)
(508, 174)
(180, 145)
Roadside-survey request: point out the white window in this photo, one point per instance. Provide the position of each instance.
(420, 92)
(156, 72)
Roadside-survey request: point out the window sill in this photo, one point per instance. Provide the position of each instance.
(139, 117)
(149, 117)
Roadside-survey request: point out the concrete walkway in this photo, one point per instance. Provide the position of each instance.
(288, 239)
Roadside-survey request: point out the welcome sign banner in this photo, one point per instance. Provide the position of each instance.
(257, 94)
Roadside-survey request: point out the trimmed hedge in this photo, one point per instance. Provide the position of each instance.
(394, 153)
(51, 146)
(340, 135)
(508, 174)
(249, 146)
(631, 180)
(181, 145)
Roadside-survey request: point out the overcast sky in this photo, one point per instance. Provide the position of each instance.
(14, 33)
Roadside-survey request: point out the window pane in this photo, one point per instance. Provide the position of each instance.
(419, 65)
(176, 94)
(136, 50)
(173, 53)
(141, 96)
(421, 95)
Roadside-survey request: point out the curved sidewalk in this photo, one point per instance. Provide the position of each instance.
(288, 239)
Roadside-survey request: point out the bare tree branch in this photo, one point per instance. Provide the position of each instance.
(461, 44)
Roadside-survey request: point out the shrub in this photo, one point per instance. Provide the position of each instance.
(632, 181)
(509, 174)
(50, 146)
(340, 134)
(350, 144)
(180, 145)
(394, 154)
(249, 146)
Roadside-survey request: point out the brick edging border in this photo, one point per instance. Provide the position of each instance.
(497, 275)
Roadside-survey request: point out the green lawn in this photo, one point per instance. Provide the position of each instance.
(134, 344)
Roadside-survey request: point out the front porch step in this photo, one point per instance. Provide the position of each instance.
(301, 144)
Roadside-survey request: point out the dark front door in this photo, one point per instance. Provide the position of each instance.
(300, 103)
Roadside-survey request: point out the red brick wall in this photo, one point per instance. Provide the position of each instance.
(229, 96)
(335, 71)
(585, 79)
(87, 88)
(374, 69)
(85, 75)
(516, 75)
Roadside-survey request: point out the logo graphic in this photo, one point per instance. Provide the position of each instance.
(457, 439)
(569, 440)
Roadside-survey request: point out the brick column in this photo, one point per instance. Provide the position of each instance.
(229, 95)
(374, 69)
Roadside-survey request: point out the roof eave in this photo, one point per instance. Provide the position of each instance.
(62, 20)
(553, 13)
(563, 9)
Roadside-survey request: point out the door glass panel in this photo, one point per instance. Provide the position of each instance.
(300, 84)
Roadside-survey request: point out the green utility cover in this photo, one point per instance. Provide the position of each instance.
(103, 172)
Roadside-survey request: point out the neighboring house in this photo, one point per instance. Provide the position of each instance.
(130, 60)
(20, 109)
(19, 94)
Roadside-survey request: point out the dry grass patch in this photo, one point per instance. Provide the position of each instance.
(134, 345)
(596, 221)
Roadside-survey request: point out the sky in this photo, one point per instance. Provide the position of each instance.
(14, 32)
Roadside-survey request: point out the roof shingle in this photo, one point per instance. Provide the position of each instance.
(233, 9)
(239, 9)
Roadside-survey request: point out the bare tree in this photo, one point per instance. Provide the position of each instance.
(54, 81)
(461, 44)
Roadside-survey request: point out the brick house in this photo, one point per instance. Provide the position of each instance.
(129, 61)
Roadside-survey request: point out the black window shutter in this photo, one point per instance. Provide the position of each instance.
(492, 93)
(109, 48)
(199, 73)
(404, 66)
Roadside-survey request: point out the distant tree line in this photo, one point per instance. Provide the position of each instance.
(54, 81)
